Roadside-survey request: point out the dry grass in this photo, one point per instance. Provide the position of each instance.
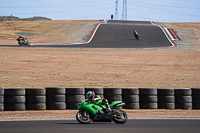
(51, 32)
(25, 67)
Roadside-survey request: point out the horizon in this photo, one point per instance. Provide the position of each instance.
(154, 10)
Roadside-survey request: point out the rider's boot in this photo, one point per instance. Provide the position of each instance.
(100, 114)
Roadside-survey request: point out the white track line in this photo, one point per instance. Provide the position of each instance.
(166, 34)
(170, 35)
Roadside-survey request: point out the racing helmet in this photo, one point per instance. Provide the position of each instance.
(90, 95)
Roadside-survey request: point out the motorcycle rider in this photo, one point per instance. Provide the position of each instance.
(23, 41)
(96, 99)
(135, 33)
(137, 36)
(22, 38)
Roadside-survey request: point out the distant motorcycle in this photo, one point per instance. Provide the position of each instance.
(23, 41)
(137, 36)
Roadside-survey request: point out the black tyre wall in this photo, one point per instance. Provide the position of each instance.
(166, 99)
(35, 99)
(195, 98)
(55, 98)
(1, 99)
(131, 98)
(14, 99)
(74, 96)
(183, 98)
(113, 94)
(148, 98)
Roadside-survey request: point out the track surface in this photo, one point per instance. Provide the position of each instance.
(139, 126)
(119, 34)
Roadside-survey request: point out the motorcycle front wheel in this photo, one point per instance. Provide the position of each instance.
(83, 117)
(120, 117)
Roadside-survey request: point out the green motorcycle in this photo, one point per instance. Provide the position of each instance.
(97, 112)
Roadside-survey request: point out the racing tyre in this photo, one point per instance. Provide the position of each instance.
(121, 118)
(83, 117)
(130, 91)
(55, 91)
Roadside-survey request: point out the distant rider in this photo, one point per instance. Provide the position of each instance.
(135, 33)
(22, 38)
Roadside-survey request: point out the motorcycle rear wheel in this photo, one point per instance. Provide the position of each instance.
(83, 117)
(121, 118)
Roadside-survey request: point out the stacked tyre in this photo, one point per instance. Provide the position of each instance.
(113, 94)
(166, 99)
(55, 98)
(1, 99)
(131, 97)
(148, 98)
(74, 96)
(97, 91)
(14, 99)
(195, 98)
(35, 99)
(183, 98)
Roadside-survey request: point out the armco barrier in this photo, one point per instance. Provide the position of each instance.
(60, 98)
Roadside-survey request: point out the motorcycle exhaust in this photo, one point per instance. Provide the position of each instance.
(121, 104)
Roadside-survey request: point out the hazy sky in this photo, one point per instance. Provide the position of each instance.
(147, 10)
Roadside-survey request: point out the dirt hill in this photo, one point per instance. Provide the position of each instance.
(42, 67)
(46, 32)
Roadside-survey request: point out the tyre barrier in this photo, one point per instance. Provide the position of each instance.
(55, 98)
(60, 98)
(183, 98)
(74, 96)
(195, 98)
(35, 98)
(148, 98)
(1, 99)
(14, 99)
(113, 94)
(131, 97)
(166, 99)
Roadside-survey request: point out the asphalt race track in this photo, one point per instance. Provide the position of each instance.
(119, 34)
(132, 126)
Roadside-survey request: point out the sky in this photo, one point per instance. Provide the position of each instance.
(137, 10)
